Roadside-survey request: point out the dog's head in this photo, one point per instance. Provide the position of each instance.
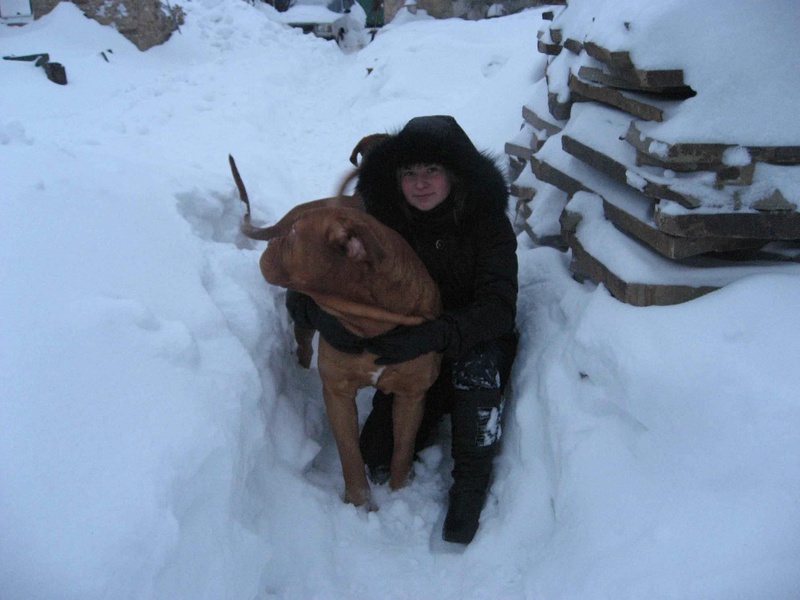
(327, 250)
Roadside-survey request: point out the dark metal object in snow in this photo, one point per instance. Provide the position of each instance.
(54, 71)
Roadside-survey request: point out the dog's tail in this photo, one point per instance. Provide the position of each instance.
(240, 186)
(247, 227)
(342, 199)
(283, 226)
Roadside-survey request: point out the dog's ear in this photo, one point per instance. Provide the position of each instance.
(365, 145)
(356, 240)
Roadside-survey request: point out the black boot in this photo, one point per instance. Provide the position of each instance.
(377, 438)
(476, 431)
(471, 477)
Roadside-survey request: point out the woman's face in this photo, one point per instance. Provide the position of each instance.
(425, 186)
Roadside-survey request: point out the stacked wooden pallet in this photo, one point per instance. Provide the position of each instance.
(656, 222)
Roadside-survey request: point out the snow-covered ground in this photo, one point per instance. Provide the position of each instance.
(157, 439)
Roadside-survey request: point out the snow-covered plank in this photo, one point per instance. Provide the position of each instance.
(560, 108)
(521, 191)
(622, 68)
(557, 177)
(596, 135)
(628, 209)
(681, 156)
(520, 149)
(625, 101)
(515, 166)
(642, 227)
(542, 121)
(637, 275)
(539, 214)
(603, 77)
(772, 225)
(573, 45)
(610, 165)
(546, 45)
(633, 213)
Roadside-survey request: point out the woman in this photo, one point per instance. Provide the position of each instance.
(448, 200)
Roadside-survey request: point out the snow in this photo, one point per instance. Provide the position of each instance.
(157, 439)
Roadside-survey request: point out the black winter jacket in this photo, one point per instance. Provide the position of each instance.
(467, 243)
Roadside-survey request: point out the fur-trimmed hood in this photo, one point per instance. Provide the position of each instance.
(431, 139)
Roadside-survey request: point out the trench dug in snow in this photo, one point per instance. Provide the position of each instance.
(290, 410)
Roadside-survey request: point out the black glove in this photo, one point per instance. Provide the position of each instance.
(307, 313)
(405, 342)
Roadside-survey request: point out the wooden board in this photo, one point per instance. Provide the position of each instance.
(622, 173)
(541, 123)
(683, 156)
(628, 209)
(625, 101)
(621, 67)
(631, 83)
(635, 274)
(765, 210)
(741, 225)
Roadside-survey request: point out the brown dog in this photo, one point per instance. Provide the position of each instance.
(366, 275)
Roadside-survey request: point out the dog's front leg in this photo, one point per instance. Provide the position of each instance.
(343, 417)
(407, 411)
